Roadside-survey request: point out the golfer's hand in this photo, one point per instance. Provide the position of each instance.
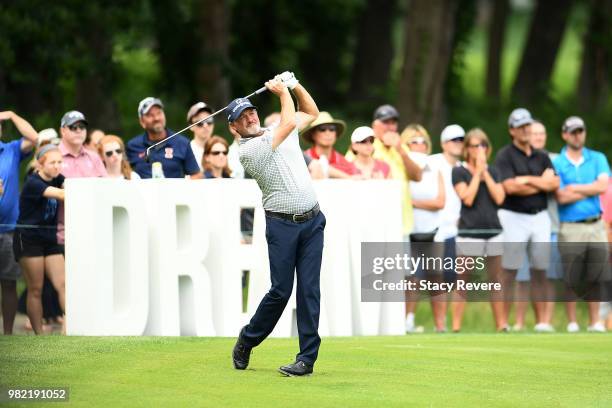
(276, 87)
(288, 78)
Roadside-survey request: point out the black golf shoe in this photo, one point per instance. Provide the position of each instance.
(241, 355)
(297, 369)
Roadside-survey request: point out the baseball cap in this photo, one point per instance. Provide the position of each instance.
(361, 133)
(197, 108)
(385, 112)
(236, 107)
(519, 117)
(451, 132)
(573, 123)
(72, 117)
(48, 135)
(147, 103)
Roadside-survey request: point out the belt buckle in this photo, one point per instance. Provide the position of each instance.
(293, 217)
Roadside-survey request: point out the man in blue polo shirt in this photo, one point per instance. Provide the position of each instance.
(11, 155)
(175, 156)
(584, 176)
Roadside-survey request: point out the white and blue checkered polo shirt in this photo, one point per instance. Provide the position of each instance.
(281, 174)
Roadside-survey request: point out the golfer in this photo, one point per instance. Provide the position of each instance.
(294, 223)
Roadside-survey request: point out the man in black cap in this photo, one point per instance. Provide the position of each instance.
(294, 223)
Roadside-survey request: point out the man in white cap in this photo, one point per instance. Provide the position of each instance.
(451, 140)
(527, 175)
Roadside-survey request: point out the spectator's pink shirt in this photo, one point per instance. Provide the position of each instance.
(606, 202)
(85, 164)
(379, 167)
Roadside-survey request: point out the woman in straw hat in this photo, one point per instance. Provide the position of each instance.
(323, 133)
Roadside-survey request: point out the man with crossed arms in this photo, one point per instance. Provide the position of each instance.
(294, 223)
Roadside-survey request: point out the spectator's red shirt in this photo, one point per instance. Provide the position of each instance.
(336, 160)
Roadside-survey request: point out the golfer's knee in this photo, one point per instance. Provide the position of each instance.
(279, 295)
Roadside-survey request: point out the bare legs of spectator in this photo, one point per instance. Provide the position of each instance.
(34, 269)
(507, 278)
(412, 298)
(539, 294)
(495, 275)
(521, 304)
(570, 308)
(458, 302)
(438, 305)
(9, 304)
(545, 305)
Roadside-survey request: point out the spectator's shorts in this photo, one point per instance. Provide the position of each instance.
(24, 246)
(555, 268)
(584, 252)
(493, 246)
(525, 233)
(9, 269)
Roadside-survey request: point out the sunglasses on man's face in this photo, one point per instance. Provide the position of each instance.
(326, 128)
(457, 140)
(78, 126)
(109, 153)
(218, 152)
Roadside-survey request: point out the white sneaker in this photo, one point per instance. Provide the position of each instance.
(572, 327)
(597, 328)
(517, 328)
(544, 328)
(414, 329)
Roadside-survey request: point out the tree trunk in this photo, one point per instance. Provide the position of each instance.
(545, 35)
(175, 46)
(596, 69)
(94, 85)
(427, 51)
(374, 52)
(497, 28)
(212, 39)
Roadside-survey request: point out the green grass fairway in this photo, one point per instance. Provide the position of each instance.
(418, 370)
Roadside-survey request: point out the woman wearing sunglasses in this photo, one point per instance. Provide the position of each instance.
(112, 152)
(428, 199)
(480, 232)
(215, 158)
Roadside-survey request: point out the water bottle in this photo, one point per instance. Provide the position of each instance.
(157, 171)
(324, 165)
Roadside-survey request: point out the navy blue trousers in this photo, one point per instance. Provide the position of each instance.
(292, 247)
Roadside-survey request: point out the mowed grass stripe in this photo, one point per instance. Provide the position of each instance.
(421, 370)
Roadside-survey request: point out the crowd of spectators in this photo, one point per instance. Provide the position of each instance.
(455, 203)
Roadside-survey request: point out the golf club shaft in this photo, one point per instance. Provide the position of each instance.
(154, 146)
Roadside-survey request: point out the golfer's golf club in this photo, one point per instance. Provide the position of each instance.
(158, 145)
